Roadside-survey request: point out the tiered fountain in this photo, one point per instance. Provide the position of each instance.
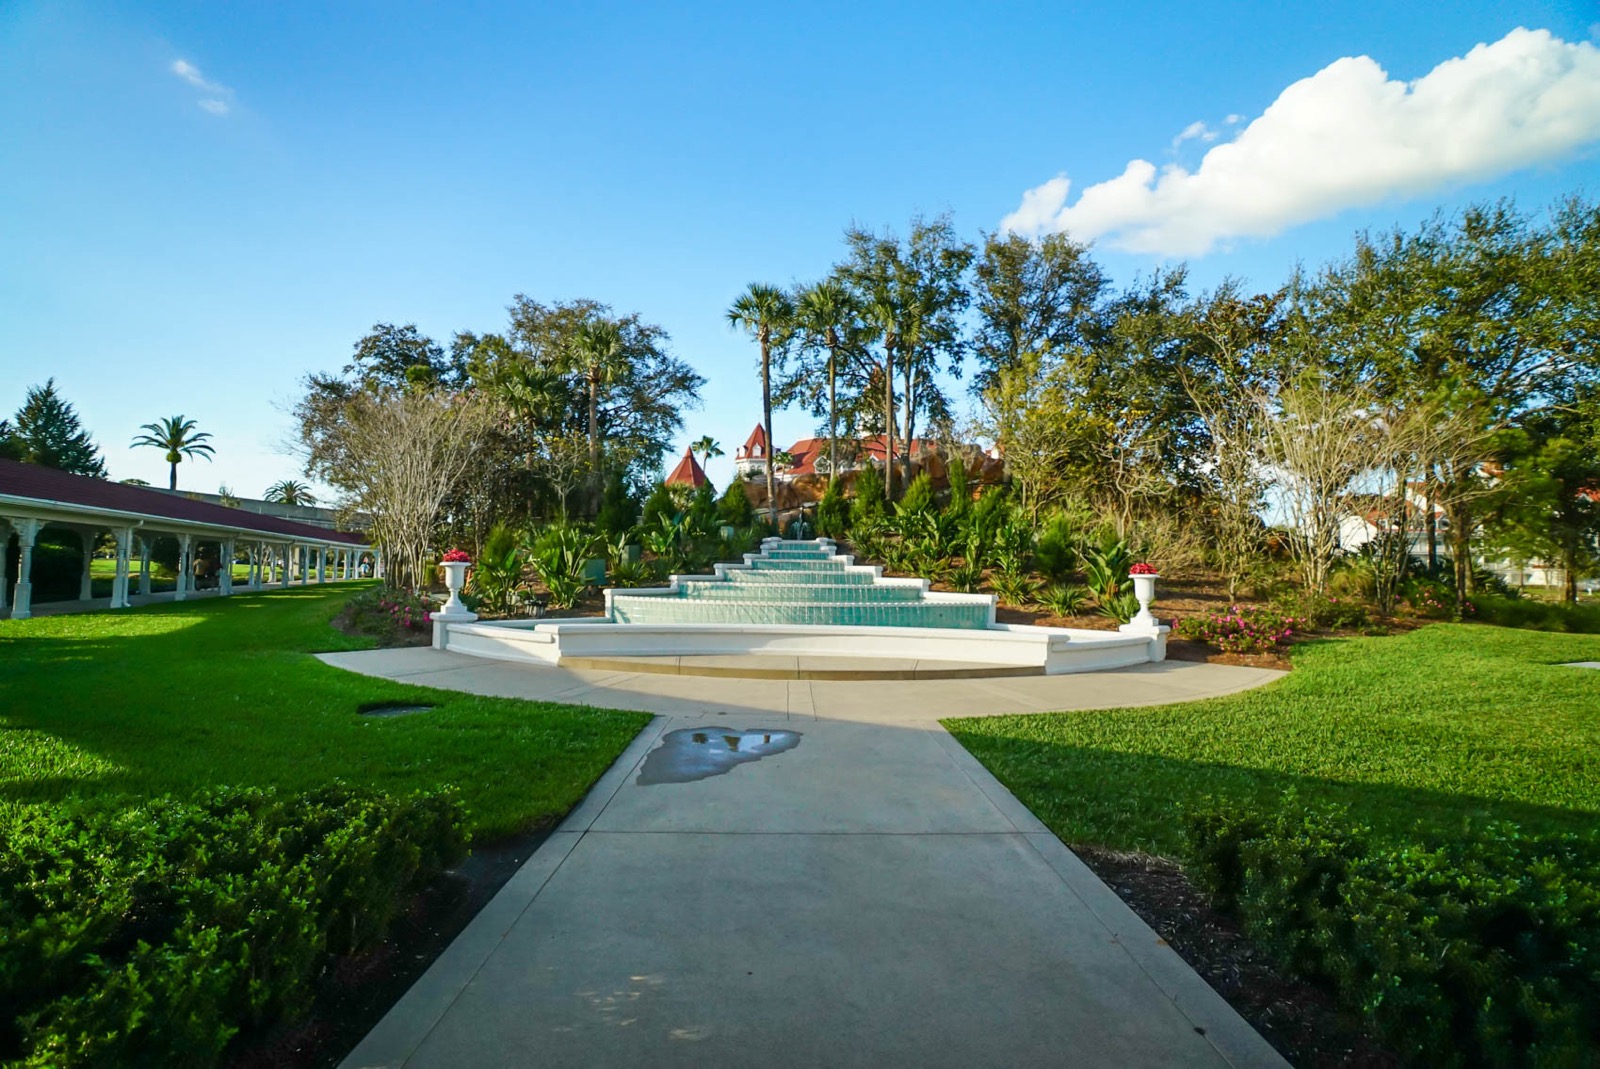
(805, 599)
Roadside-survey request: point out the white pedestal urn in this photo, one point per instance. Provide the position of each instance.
(455, 611)
(1144, 578)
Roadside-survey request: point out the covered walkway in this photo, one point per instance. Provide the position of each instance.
(278, 552)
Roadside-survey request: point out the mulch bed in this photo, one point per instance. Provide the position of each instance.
(355, 993)
(1298, 1019)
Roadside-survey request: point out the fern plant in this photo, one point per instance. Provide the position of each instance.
(1014, 589)
(1064, 599)
(1121, 608)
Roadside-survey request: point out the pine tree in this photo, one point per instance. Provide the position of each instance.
(48, 433)
(734, 508)
(833, 511)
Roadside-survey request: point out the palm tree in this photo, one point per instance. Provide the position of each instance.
(883, 312)
(290, 492)
(825, 310)
(179, 438)
(764, 311)
(596, 354)
(707, 447)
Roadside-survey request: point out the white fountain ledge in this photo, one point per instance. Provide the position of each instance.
(1046, 650)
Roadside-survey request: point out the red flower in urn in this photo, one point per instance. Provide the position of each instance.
(456, 556)
(1144, 569)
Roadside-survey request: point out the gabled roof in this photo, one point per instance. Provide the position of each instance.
(755, 445)
(688, 472)
(22, 484)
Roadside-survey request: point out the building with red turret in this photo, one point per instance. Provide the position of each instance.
(688, 472)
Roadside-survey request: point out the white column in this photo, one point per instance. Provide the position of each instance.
(22, 601)
(287, 551)
(225, 577)
(185, 549)
(85, 581)
(5, 563)
(145, 542)
(119, 583)
(377, 564)
(322, 564)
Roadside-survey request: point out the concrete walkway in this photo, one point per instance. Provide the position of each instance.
(791, 872)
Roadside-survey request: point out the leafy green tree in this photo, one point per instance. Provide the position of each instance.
(403, 356)
(658, 506)
(178, 438)
(703, 508)
(10, 445)
(618, 510)
(290, 492)
(960, 488)
(1032, 297)
(766, 314)
(46, 431)
(1547, 502)
(734, 507)
(833, 511)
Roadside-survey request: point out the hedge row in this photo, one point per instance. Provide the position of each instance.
(151, 936)
(1482, 950)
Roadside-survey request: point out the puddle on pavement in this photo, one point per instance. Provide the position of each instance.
(691, 754)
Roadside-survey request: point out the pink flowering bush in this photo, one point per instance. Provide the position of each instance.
(1240, 629)
(456, 556)
(388, 614)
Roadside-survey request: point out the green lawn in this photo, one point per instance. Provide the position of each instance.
(1450, 722)
(172, 698)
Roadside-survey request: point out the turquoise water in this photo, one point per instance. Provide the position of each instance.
(797, 583)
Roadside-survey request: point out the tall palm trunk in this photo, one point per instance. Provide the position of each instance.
(172, 475)
(766, 423)
(888, 419)
(910, 404)
(833, 404)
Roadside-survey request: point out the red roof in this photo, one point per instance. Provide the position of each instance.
(755, 445)
(48, 486)
(688, 472)
(807, 450)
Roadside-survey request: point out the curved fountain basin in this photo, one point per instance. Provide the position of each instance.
(803, 599)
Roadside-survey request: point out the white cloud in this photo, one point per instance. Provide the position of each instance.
(1194, 131)
(1347, 136)
(218, 96)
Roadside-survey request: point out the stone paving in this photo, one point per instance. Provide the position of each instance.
(793, 872)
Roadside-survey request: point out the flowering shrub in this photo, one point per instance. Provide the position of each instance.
(1433, 599)
(1242, 630)
(1143, 569)
(388, 614)
(456, 556)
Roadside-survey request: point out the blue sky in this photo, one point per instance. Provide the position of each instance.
(201, 203)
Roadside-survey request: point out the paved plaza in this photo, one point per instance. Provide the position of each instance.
(806, 872)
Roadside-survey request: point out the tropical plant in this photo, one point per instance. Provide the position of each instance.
(1056, 553)
(734, 507)
(1014, 588)
(290, 492)
(498, 572)
(596, 354)
(917, 500)
(967, 576)
(1105, 566)
(765, 312)
(179, 439)
(1120, 607)
(558, 554)
(1064, 599)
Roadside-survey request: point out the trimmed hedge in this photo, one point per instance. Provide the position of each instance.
(1481, 950)
(152, 935)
